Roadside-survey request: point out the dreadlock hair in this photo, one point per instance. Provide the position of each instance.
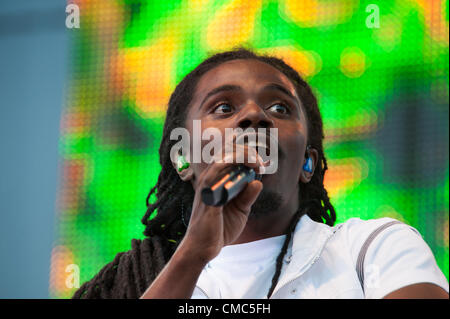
(166, 230)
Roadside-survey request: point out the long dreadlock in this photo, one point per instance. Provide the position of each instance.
(130, 273)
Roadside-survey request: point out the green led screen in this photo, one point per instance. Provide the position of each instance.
(382, 87)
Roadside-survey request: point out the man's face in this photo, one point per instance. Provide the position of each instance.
(256, 95)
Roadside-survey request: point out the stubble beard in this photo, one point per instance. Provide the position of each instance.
(267, 203)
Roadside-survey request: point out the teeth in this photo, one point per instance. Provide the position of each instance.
(255, 144)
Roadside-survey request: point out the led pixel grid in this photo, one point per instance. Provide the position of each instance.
(382, 92)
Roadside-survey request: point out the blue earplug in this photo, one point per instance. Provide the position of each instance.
(308, 165)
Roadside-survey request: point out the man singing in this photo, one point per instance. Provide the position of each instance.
(276, 238)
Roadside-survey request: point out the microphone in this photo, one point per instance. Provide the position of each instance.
(229, 186)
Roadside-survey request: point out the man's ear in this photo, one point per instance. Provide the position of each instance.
(186, 173)
(305, 176)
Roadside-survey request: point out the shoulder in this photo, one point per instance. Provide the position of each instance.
(359, 227)
(356, 232)
(389, 254)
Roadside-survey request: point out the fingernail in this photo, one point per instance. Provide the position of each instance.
(260, 160)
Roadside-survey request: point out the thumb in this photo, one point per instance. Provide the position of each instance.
(248, 196)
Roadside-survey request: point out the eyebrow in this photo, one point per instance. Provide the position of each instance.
(274, 86)
(222, 88)
(231, 87)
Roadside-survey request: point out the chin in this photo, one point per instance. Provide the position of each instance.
(267, 203)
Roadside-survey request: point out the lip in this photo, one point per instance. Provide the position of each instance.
(256, 140)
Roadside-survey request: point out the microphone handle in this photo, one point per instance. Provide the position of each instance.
(229, 186)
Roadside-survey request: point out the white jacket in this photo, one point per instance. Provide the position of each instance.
(355, 259)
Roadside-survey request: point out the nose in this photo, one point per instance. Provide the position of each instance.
(253, 116)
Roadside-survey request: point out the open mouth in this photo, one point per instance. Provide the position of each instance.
(258, 141)
(261, 148)
(265, 144)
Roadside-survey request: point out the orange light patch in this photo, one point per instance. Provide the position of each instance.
(148, 73)
(232, 25)
(75, 122)
(307, 63)
(434, 14)
(353, 62)
(61, 257)
(314, 13)
(344, 175)
(73, 175)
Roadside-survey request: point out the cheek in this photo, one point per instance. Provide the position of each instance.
(197, 146)
(197, 169)
(295, 148)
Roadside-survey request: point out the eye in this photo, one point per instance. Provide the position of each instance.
(279, 108)
(222, 108)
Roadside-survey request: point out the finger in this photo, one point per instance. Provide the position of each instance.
(213, 173)
(250, 157)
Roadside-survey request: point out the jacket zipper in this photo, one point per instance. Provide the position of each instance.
(311, 264)
(204, 292)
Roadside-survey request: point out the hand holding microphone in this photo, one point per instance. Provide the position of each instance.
(232, 183)
(229, 186)
(212, 227)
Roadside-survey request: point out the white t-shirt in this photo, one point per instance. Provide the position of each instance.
(322, 262)
(246, 270)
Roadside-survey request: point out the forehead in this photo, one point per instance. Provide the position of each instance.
(247, 73)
